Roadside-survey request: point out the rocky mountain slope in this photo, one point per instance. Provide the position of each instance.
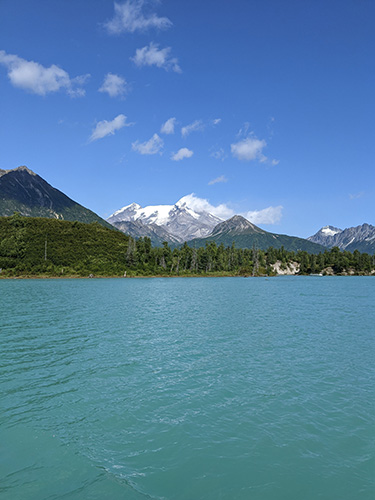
(23, 191)
(360, 238)
(244, 234)
(136, 229)
(180, 221)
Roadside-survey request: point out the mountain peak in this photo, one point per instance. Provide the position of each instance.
(22, 168)
(236, 225)
(132, 206)
(24, 191)
(330, 230)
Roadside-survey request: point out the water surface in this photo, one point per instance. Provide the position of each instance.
(220, 388)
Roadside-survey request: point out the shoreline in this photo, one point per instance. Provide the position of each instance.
(44, 277)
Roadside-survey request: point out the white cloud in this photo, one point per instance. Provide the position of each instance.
(201, 204)
(181, 154)
(222, 178)
(249, 149)
(150, 147)
(151, 55)
(275, 162)
(114, 85)
(269, 215)
(129, 18)
(168, 126)
(197, 125)
(105, 127)
(216, 121)
(32, 76)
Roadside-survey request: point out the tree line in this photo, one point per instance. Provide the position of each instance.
(38, 246)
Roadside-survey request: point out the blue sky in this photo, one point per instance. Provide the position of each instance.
(258, 107)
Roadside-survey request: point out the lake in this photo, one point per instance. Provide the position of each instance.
(188, 388)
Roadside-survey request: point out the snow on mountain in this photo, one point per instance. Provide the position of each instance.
(330, 230)
(180, 220)
(326, 236)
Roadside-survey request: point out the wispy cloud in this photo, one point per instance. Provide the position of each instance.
(216, 121)
(244, 130)
(197, 125)
(129, 18)
(181, 154)
(249, 149)
(269, 215)
(222, 178)
(151, 55)
(168, 126)
(150, 147)
(356, 196)
(105, 127)
(114, 85)
(35, 78)
(219, 154)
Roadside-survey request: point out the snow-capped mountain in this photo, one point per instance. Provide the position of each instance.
(360, 238)
(181, 221)
(326, 236)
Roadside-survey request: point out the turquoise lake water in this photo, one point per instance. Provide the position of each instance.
(219, 388)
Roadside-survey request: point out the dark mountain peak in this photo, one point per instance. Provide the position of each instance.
(22, 168)
(236, 225)
(23, 191)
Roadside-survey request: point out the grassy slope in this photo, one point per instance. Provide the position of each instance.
(75, 247)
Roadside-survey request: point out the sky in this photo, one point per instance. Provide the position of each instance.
(263, 108)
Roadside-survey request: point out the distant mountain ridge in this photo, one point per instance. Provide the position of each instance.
(244, 234)
(23, 191)
(361, 238)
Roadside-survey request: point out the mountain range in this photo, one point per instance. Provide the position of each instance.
(23, 191)
(361, 238)
(182, 223)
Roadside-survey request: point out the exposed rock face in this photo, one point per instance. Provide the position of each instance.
(326, 236)
(328, 271)
(360, 238)
(289, 269)
(23, 191)
(180, 221)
